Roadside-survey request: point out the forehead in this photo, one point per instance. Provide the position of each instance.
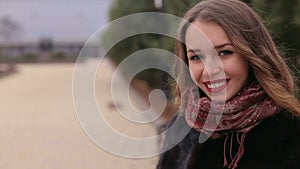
(203, 34)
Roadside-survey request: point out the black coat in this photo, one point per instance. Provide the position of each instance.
(273, 144)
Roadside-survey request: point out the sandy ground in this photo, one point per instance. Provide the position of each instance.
(39, 128)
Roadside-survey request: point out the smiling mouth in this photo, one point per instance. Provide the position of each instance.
(216, 85)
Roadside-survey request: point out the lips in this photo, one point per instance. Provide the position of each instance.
(216, 85)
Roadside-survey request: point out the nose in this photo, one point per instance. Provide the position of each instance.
(213, 67)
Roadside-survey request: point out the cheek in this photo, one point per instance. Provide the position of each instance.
(242, 70)
(236, 67)
(238, 71)
(196, 71)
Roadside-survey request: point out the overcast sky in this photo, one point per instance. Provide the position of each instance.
(62, 20)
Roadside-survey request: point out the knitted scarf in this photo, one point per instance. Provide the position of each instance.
(236, 117)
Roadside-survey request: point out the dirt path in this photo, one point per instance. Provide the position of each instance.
(39, 128)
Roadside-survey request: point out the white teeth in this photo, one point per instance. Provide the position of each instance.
(216, 85)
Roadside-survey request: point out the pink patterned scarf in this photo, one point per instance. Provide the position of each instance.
(238, 115)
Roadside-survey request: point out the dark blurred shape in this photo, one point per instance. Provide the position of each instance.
(46, 44)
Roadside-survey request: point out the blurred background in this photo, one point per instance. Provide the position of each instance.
(39, 44)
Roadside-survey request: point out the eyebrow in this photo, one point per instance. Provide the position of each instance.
(194, 50)
(222, 45)
(216, 47)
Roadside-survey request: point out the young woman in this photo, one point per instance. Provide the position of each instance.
(246, 106)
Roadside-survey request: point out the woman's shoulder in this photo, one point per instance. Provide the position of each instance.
(290, 124)
(179, 140)
(279, 137)
(286, 121)
(178, 132)
(283, 125)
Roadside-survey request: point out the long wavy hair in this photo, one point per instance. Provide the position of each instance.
(252, 39)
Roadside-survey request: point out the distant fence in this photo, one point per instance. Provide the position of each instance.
(39, 52)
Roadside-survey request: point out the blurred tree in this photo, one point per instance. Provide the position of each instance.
(178, 8)
(154, 78)
(134, 43)
(283, 20)
(9, 29)
(127, 46)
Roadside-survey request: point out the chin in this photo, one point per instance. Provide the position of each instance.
(219, 98)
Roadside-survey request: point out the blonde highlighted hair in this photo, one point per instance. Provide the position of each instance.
(252, 39)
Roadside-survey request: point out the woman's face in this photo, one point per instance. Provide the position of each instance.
(215, 65)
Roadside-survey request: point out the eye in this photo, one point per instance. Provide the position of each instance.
(196, 57)
(225, 52)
